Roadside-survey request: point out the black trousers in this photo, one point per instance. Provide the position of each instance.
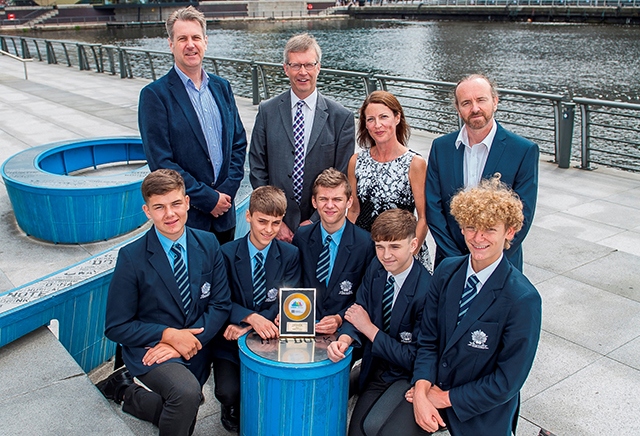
(173, 402)
(225, 236)
(226, 376)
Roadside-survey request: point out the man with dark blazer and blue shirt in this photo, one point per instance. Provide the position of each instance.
(480, 333)
(478, 150)
(257, 266)
(167, 299)
(334, 266)
(298, 134)
(189, 122)
(386, 316)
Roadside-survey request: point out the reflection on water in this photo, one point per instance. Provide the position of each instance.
(584, 60)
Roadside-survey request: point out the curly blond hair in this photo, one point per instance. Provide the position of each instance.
(490, 203)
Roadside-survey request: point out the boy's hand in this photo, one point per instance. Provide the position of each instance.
(159, 354)
(234, 331)
(184, 340)
(359, 317)
(329, 325)
(336, 349)
(262, 326)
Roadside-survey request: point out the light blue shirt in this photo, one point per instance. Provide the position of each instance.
(167, 243)
(252, 254)
(333, 245)
(208, 115)
(482, 275)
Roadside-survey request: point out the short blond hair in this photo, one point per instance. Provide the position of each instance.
(301, 43)
(186, 14)
(490, 203)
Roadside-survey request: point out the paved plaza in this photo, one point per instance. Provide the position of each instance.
(582, 253)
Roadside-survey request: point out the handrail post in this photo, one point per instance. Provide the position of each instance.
(255, 88)
(82, 63)
(66, 53)
(51, 54)
(123, 73)
(585, 140)
(565, 134)
(369, 84)
(153, 71)
(35, 42)
(25, 49)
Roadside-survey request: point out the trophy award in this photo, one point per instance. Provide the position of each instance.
(297, 312)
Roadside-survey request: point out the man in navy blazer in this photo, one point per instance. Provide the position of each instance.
(254, 302)
(387, 313)
(350, 250)
(328, 138)
(167, 299)
(479, 150)
(480, 333)
(189, 122)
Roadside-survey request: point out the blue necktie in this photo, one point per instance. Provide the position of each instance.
(298, 162)
(468, 294)
(387, 303)
(324, 261)
(259, 281)
(182, 276)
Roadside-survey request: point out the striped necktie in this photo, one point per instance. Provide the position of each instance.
(468, 294)
(387, 303)
(259, 281)
(298, 161)
(182, 276)
(322, 270)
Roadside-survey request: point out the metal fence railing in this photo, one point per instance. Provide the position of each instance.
(609, 130)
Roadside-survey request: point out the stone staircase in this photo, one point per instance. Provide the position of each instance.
(42, 18)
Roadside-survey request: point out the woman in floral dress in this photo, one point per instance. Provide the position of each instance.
(386, 174)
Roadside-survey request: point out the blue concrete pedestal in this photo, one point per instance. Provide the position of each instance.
(280, 398)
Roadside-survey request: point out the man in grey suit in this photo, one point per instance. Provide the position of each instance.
(298, 134)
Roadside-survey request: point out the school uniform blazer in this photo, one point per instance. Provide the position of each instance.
(485, 360)
(172, 138)
(355, 252)
(513, 156)
(395, 350)
(272, 150)
(144, 299)
(282, 270)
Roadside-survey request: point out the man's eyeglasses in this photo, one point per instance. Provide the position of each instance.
(296, 67)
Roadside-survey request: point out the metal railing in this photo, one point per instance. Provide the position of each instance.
(609, 130)
(18, 58)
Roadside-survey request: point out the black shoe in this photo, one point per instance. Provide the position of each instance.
(230, 418)
(113, 387)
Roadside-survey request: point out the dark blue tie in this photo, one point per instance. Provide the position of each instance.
(468, 294)
(259, 281)
(324, 261)
(182, 276)
(387, 303)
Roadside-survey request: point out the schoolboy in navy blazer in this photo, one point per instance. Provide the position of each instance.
(471, 365)
(173, 136)
(513, 156)
(389, 353)
(282, 269)
(165, 324)
(332, 196)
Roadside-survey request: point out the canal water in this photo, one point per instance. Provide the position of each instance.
(594, 61)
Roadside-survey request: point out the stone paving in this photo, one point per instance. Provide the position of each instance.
(582, 253)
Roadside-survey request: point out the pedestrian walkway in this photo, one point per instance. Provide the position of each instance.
(583, 255)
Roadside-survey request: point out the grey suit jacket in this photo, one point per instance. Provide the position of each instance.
(271, 153)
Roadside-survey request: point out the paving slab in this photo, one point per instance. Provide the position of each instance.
(559, 253)
(59, 399)
(593, 318)
(569, 225)
(607, 212)
(601, 399)
(616, 272)
(556, 359)
(629, 242)
(628, 354)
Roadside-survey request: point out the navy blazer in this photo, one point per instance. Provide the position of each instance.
(144, 299)
(282, 269)
(396, 350)
(355, 252)
(172, 138)
(272, 150)
(485, 360)
(513, 156)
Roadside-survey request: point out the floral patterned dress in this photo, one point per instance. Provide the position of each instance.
(382, 186)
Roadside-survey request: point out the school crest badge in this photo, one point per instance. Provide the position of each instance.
(205, 290)
(479, 340)
(345, 288)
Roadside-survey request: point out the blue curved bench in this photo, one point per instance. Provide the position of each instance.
(50, 204)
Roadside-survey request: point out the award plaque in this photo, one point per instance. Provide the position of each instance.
(297, 312)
